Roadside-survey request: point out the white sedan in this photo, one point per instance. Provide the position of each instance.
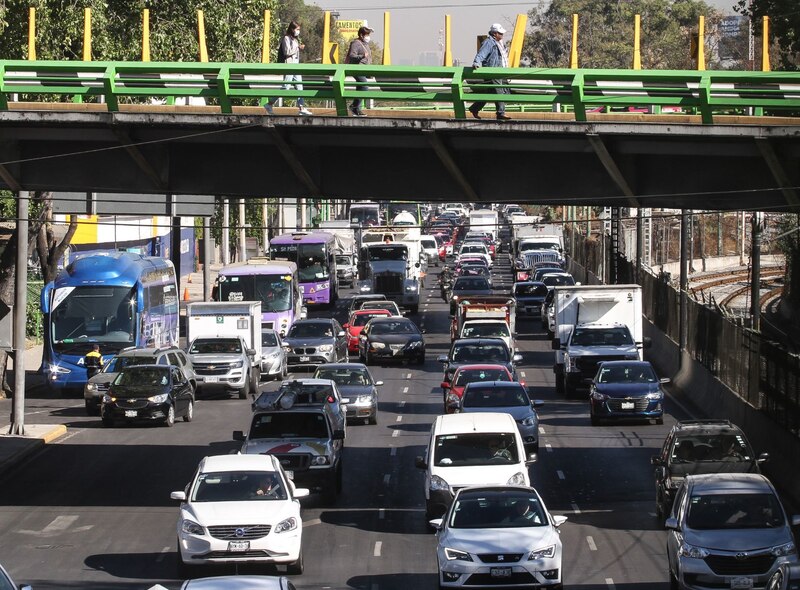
(240, 509)
(499, 536)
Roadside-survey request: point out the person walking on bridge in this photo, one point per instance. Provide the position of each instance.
(493, 54)
(289, 53)
(360, 53)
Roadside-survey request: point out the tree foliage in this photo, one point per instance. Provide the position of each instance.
(605, 33)
(784, 18)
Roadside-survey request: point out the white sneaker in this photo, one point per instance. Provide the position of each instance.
(305, 111)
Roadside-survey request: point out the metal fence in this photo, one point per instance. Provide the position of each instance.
(729, 350)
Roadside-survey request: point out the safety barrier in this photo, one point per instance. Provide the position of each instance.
(578, 90)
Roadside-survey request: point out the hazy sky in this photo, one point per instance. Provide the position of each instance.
(416, 24)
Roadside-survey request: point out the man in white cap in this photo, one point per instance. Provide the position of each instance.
(493, 54)
(359, 53)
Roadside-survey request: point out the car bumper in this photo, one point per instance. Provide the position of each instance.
(272, 367)
(233, 380)
(149, 413)
(296, 360)
(365, 410)
(602, 409)
(400, 355)
(539, 573)
(695, 574)
(272, 548)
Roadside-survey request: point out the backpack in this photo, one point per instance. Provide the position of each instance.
(281, 54)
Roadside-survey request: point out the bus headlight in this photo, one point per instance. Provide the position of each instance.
(58, 370)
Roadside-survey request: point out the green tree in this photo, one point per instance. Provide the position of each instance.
(784, 18)
(605, 33)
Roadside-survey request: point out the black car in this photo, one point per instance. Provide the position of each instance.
(530, 296)
(392, 338)
(696, 447)
(473, 351)
(465, 286)
(624, 390)
(148, 393)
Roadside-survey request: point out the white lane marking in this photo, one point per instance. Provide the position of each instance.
(405, 390)
(382, 513)
(393, 452)
(399, 419)
(522, 374)
(560, 474)
(163, 554)
(60, 523)
(590, 542)
(408, 376)
(377, 551)
(575, 508)
(395, 434)
(311, 522)
(402, 401)
(541, 430)
(548, 447)
(386, 478)
(610, 584)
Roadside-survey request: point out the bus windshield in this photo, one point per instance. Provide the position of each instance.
(82, 315)
(273, 291)
(364, 215)
(311, 259)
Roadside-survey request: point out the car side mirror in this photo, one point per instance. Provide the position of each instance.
(436, 523)
(444, 385)
(796, 520)
(181, 496)
(340, 334)
(558, 520)
(537, 403)
(378, 383)
(656, 461)
(532, 458)
(517, 358)
(671, 524)
(763, 458)
(345, 325)
(338, 435)
(238, 435)
(664, 380)
(555, 344)
(251, 352)
(420, 463)
(345, 400)
(442, 358)
(300, 493)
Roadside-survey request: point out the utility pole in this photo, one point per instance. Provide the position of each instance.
(226, 236)
(683, 333)
(242, 233)
(755, 284)
(20, 305)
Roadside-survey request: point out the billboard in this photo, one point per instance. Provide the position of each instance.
(348, 29)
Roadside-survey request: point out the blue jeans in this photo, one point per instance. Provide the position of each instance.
(295, 80)
(356, 106)
(499, 89)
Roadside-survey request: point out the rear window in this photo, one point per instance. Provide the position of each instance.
(289, 425)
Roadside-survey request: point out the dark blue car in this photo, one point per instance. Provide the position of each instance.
(625, 390)
(530, 296)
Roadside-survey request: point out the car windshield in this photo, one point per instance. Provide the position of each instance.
(487, 330)
(543, 245)
(143, 377)
(311, 330)
(698, 447)
(494, 397)
(530, 290)
(734, 511)
(362, 318)
(552, 280)
(349, 376)
(216, 346)
(471, 284)
(480, 353)
(473, 375)
(468, 449)
(388, 253)
(274, 291)
(384, 328)
(627, 374)
(269, 339)
(118, 363)
(289, 425)
(601, 337)
(343, 261)
(497, 510)
(238, 486)
(473, 249)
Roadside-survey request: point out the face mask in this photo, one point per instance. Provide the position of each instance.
(366, 38)
(296, 32)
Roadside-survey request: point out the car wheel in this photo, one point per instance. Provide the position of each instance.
(296, 567)
(673, 582)
(594, 419)
(92, 409)
(373, 419)
(108, 422)
(559, 383)
(169, 421)
(660, 420)
(189, 415)
(244, 389)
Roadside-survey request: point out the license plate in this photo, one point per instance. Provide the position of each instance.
(131, 413)
(305, 359)
(741, 583)
(627, 405)
(500, 572)
(238, 546)
(210, 379)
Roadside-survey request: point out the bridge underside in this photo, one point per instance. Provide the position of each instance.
(604, 162)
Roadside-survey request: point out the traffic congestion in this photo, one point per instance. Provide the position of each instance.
(382, 404)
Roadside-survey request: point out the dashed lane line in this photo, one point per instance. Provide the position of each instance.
(395, 434)
(402, 403)
(386, 478)
(610, 584)
(590, 542)
(405, 390)
(163, 554)
(399, 419)
(575, 508)
(548, 447)
(560, 474)
(541, 430)
(377, 551)
(393, 452)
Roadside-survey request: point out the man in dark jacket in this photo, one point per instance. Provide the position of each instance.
(359, 53)
(493, 54)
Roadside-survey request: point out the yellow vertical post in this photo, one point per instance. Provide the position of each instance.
(326, 38)
(32, 34)
(515, 50)
(146, 35)
(201, 36)
(637, 39)
(701, 44)
(573, 52)
(265, 38)
(448, 53)
(765, 45)
(87, 34)
(387, 52)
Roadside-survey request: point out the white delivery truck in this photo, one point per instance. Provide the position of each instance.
(484, 220)
(225, 344)
(594, 323)
(345, 250)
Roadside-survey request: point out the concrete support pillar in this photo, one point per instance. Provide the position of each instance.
(639, 244)
(20, 305)
(755, 283)
(683, 335)
(265, 223)
(242, 232)
(226, 236)
(303, 216)
(175, 247)
(207, 255)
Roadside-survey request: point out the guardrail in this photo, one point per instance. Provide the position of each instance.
(578, 90)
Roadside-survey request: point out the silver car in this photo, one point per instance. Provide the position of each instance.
(357, 387)
(727, 530)
(273, 355)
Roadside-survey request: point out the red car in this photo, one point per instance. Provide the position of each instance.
(470, 374)
(358, 319)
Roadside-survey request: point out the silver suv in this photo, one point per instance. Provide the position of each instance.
(169, 355)
(727, 530)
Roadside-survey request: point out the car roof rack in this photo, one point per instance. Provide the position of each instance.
(288, 397)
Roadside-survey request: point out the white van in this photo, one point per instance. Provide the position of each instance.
(471, 449)
(431, 249)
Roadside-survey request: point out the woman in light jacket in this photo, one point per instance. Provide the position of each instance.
(289, 53)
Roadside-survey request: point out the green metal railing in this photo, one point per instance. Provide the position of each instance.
(579, 91)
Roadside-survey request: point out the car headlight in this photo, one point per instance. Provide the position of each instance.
(415, 344)
(687, 550)
(438, 484)
(456, 555)
(56, 369)
(783, 550)
(600, 397)
(656, 395)
(543, 553)
(274, 355)
(411, 287)
(190, 527)
(326, 348)
(91, 386)
(570, 363)
(518, 479)
(529, 421)
(158, 399)
(236, 365)
(286, 347)
(320, 460)
(377, 345)
(107, 399)
(364, 399)
(286, 525)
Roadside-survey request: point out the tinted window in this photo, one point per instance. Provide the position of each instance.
(289, 425)
(383, 328)
(480, 353)
(558, 280)
(494, 397)
(350, 376)
(497, 510)
(699, 447)
(362, 318)
(153, 377)
(530, 290)
(116, 364)
(471, 284)
(490, 330)
(601, 337)
(269, 339)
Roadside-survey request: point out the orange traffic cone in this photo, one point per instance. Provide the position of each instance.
(186, 294)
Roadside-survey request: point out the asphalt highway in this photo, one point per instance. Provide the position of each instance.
(92, 511)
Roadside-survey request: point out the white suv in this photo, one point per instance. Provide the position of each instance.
(240, 509)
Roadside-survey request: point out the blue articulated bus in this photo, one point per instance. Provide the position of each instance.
(114, 300)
